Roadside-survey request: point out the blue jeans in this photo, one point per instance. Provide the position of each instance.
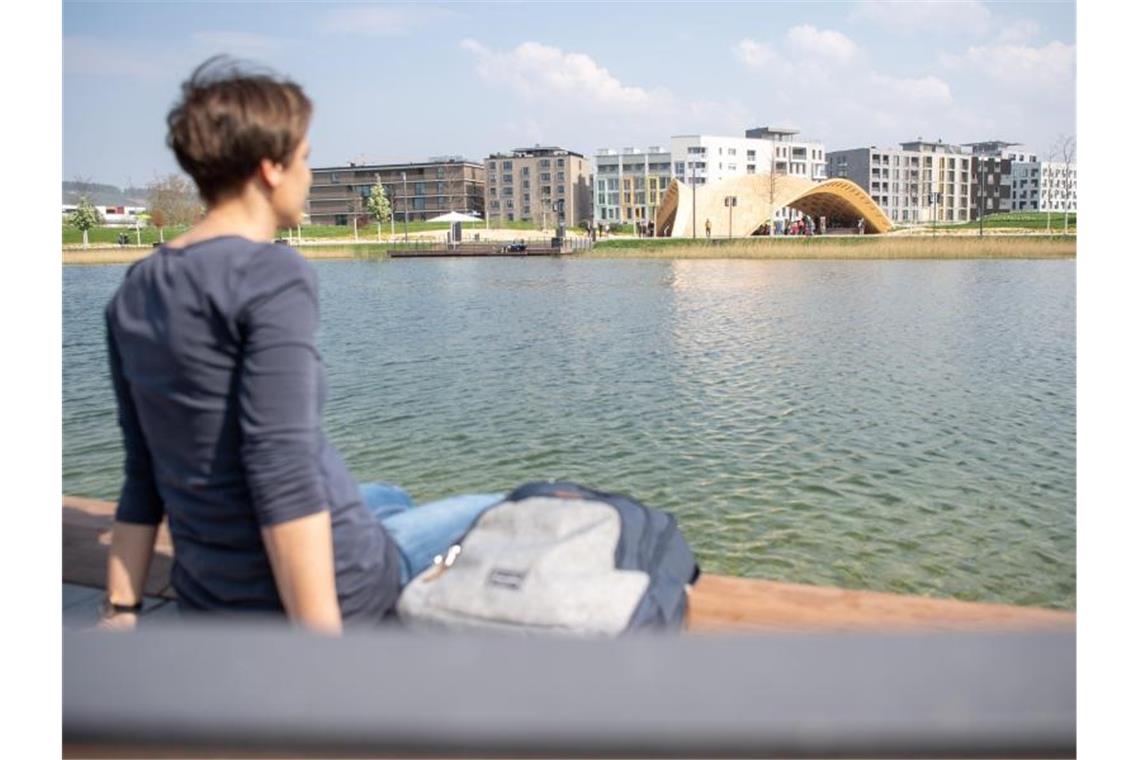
(422, 532)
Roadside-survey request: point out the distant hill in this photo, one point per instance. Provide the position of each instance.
(103, 195)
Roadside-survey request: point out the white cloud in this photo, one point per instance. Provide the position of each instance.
(1051, 67)
(928, 91)
(826, 44)
(1018, 31)
(382, 20)
(562, 92)
(828, 86)
(756, 55)
(538, 72)
(912, 17)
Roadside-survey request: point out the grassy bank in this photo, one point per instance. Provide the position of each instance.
(1019, 220)
(847, 247)
(365, 232)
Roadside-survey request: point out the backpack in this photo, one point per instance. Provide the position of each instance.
(558, 558)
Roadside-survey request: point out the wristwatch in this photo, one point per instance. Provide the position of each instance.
(109, 609)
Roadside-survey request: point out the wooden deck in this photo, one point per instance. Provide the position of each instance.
(717, 603)
(474, 250)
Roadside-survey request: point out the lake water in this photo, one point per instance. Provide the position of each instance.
(898, 425)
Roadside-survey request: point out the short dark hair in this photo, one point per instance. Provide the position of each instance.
(228, 120)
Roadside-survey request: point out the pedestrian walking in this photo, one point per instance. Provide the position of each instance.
(708, 229)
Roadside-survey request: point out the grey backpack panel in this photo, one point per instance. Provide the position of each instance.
(558, 558)
(538, 565)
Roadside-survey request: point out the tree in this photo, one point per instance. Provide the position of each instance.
(1066, 150)
(158, 219)
(85, 217)
(172, 200)
(772, 190)
(379, 207)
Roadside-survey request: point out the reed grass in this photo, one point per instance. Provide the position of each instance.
(866, 247)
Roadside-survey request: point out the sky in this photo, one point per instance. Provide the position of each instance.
(402, 82)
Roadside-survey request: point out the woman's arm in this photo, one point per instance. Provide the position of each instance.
(280, 427)
(140, 508)
(132, 547)
(301, 554)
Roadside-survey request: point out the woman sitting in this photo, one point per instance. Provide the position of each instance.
(220, 388)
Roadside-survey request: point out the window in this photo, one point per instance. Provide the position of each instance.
(544, 163)
(334, 178)
(561, 162)
(490, 166)
(508, 165)
(508, 179)
(439, 171)
(732, 151)
(420, 188)
(526, 171)
(751, 155)
(439, 187)
(561, 176)
(419, 203)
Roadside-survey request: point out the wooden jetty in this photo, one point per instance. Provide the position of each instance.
(717, 603)
(463, 250)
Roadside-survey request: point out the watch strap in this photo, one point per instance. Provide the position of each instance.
(109, 608)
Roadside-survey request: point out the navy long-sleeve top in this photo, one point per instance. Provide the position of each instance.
(220, 390)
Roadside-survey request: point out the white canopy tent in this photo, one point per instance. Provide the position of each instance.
(453, 217)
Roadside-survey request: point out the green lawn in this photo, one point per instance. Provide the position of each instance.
(110, 235)
(1026, 220)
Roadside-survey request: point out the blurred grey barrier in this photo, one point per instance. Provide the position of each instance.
(195, 689)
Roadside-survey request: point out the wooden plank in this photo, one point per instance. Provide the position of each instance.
(724, 604)
(86, 537)
(717, 603)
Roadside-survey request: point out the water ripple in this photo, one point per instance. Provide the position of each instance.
(900, 426)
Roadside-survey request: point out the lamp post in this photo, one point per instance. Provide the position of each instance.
(730, 201)
(981, 194)
(693, 185)
(404, 177)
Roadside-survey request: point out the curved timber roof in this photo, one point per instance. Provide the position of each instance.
(758, 196)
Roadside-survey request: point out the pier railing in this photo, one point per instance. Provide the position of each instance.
(188, 689)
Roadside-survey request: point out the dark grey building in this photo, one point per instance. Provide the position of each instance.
(417, 191)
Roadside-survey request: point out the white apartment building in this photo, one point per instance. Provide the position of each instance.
(763, 150)
(1058, 187)
(701, 159)
(918, 182)
(630, 183)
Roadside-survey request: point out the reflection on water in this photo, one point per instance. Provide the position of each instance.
(897, 425)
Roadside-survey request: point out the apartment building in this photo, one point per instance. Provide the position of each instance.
(1005, 176)
(700, 159)
(1034, 185)
(918, 182)
(417, 191)
(703, 159)
(539, 184)
(1058, 186)
(630, 183)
